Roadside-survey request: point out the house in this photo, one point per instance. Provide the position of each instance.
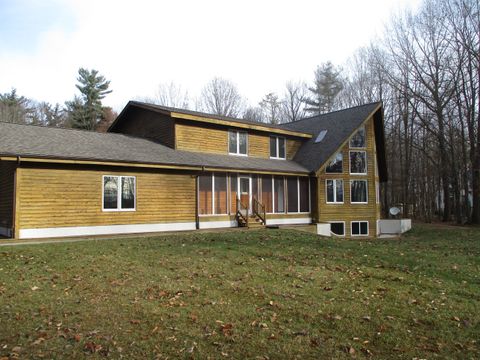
(162, 169)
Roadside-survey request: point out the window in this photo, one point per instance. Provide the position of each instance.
(278, 194)
(334, 191)
(338, 228)
(358, 140)
(277, 147)
(359, 228)
(292, 193)
(237, 142)
(118, 193)
(377, 191)
(358, 162)
(336, 164)
(358, 192)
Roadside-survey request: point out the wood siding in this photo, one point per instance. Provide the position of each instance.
(53, 197)
(149, 125)
(7, 185)
(347, 211)
(214, 140)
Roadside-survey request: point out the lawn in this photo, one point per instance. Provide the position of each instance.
(266, 294)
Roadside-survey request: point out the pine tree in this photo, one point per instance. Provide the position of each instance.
(327, 85)
(86, 111)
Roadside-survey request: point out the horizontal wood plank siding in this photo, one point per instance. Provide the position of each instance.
(259, 145)
(7, 179)
(292, 148)
(146, 124)
(73, 197)
(207, 139)
(347, 211)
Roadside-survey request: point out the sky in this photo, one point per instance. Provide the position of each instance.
(259, 45)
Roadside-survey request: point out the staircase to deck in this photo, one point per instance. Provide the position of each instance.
(251, 219)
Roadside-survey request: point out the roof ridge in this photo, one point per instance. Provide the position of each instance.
(332, 112)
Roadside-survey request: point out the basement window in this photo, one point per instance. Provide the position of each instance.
(119, 193)
(359, 228)
(338, 228)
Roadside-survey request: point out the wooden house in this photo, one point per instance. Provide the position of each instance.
(164, 169)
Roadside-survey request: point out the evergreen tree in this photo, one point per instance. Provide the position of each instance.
(327, 85)
(15, 109)
(86, 111)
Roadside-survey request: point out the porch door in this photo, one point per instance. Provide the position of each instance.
(244, 192)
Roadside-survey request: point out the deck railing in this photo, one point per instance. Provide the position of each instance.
(259, 210)
(242, 212)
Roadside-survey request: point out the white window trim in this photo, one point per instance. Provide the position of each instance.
(119, 194)
(350, 162)
(277, 142)
(334, 191)
(237, 140)
(359, 227)
(350, 140)
(366, 187)
(344, 227)
(330, 160)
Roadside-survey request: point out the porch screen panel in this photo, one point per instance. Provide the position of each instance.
(292, 193)
(233, 194)
(220, 194)
(205, 194)
(304, 195)
(279, 194)
(267, 193)
(255, 192)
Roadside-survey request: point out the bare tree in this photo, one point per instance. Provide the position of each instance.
(253, 114)
(221, 97)
(293, 104)
(172, 95)
(272, 108)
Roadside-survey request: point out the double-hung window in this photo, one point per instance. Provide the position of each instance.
(237, 142)
(334, 189)
(119, 193)
(277, 147)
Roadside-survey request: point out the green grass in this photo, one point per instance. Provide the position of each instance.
(268, 294)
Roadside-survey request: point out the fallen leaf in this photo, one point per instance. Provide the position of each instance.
(35, 288)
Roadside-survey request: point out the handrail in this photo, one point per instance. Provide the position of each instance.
(259, 210)
(241, 207)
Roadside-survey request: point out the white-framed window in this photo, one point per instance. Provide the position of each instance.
(337, 227)
(298, 194)
(359, 228)
(118, 193)
(237, 142)
(335, 166)
(334, 191)
(359, 139)
(213, 194)
(358, 192)
(277, 147)
(358, 162)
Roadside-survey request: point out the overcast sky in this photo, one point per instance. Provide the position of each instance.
(259, 45)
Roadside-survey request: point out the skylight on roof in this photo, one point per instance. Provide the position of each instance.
(321, 136)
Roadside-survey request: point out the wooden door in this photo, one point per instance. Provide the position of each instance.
(244, 191)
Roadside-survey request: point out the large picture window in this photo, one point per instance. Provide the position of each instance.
(358, 140)
(358, 162)
(220, 193)
(359, 228)
(237, 142)
(277, 147)
(212, 194)
(267, 194)
(334, 189)
(358, 191)
(335, 166)
(119, 193)
(205, 200)
(304, 194)
(292, 193)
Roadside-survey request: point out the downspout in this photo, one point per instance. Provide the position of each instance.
(14, 200)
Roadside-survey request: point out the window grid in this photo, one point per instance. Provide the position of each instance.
(361, 225)
(237, 144)
(120, 200)
(335, 183)
(277, 153)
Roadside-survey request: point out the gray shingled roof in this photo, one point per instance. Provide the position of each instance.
(56, 143)
(339, 125)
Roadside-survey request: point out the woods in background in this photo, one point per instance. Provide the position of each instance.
(425, 69)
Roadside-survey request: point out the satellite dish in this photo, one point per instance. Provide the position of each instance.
(394, 211)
